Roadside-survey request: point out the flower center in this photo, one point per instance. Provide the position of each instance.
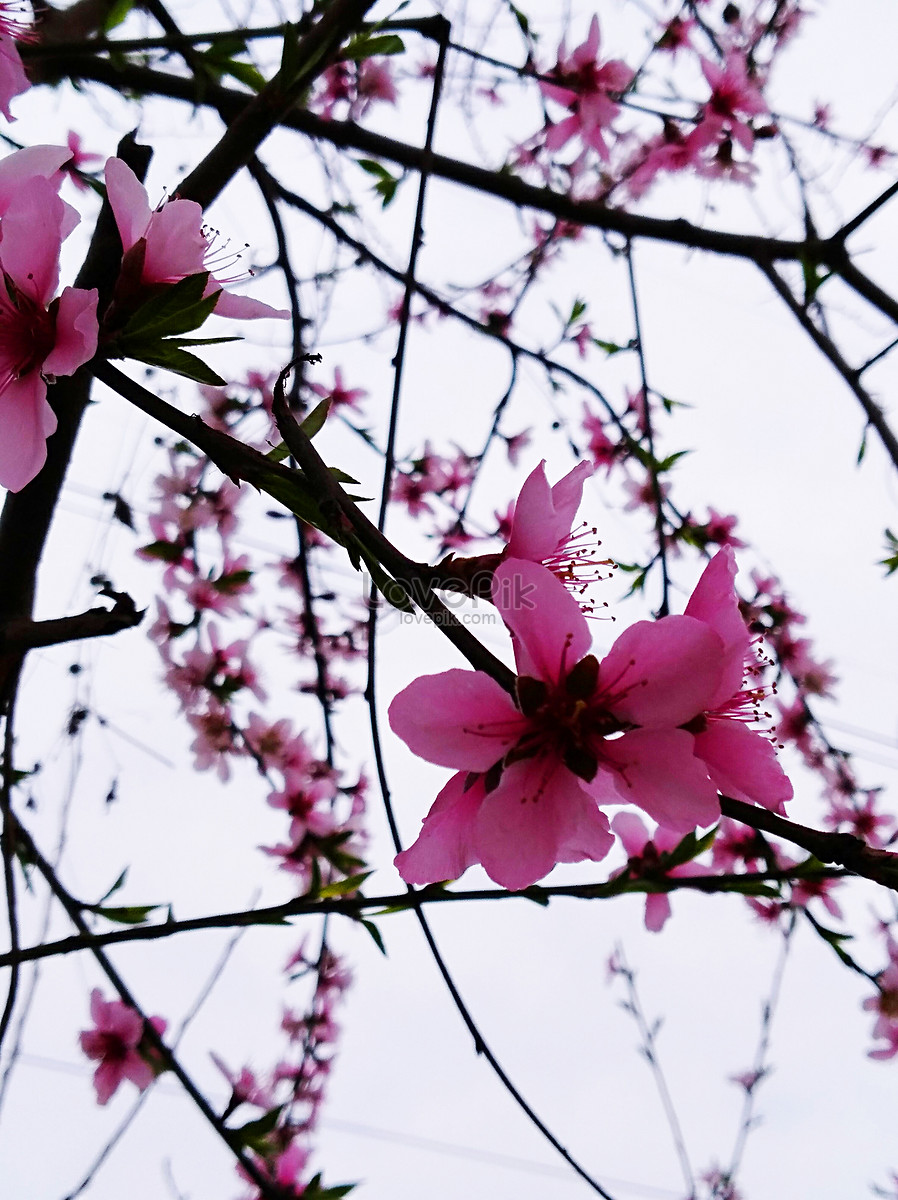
(27, 333)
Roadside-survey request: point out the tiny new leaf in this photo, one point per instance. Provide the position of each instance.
(366, 45)
(175, 308)
(890, 562)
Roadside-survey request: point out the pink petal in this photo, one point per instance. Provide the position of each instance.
(444, 848)
(657, 771)
(657, 910)
(743, 764)
(714, 601)
(560, 134)
(76, 332)
(26, 420)
(543, 515)
(550, 632)
(520, 826)
(632, 833)
(662, 673)
(245, 308)
(16, 169)
(137, 1070)
(588, 51)
(107, 1077)
(459, 719)
(32, 237)
(129, 202)
(13, 80)
(176, 246)
(538, 816)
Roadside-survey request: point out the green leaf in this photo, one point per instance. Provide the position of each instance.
(254, 1133)
(171, 358)
(890, 562)
(375, 934)
(117, 13)
(316, 418)
(290, 60)
(521, 19)
(342, 477)
(278, 453)
(666, 463)
(343, 887)
(175, 308)
(366, 45)
(133, 914)
(386, 184)
(609, 347)
(245, 73)
(217, 341)
(391, 590)
(577, 310)
(115, 887)
(164, 551)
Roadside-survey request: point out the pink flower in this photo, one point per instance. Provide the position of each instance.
(13, 80)
(339, 395)
(81, 160)
(115, 1041)
(733, 98)
(532, 773)
(585, 86)
(541, 527)
(741, 761)
(40, 337)
(646, 854)
(169, 243)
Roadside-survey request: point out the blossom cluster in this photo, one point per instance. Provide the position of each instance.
(119, 1046)
(661, 722)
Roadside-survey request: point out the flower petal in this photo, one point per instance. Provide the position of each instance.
(656, 770)
(543, 515)
(76, 332)
(27, 420)
(444, 848)
(662, 673)
(128, 200)
(460, 719)
(245, 308)
(550, 632)
(16, 169)
(538, 816)
(743, 764)
(32, 237)
(714, 602)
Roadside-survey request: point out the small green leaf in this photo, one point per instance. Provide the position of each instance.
(254, 1133)
(386, 184)
(666, 463)
(522, 20)
(890, 562)
(343, 887)
(119, 883)
(164, 551)
(366, 45)
(134, 914)
(342, 477)
(117, 13)
(316, 418)
(375, 934)
(175, 308)
(171, 358)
